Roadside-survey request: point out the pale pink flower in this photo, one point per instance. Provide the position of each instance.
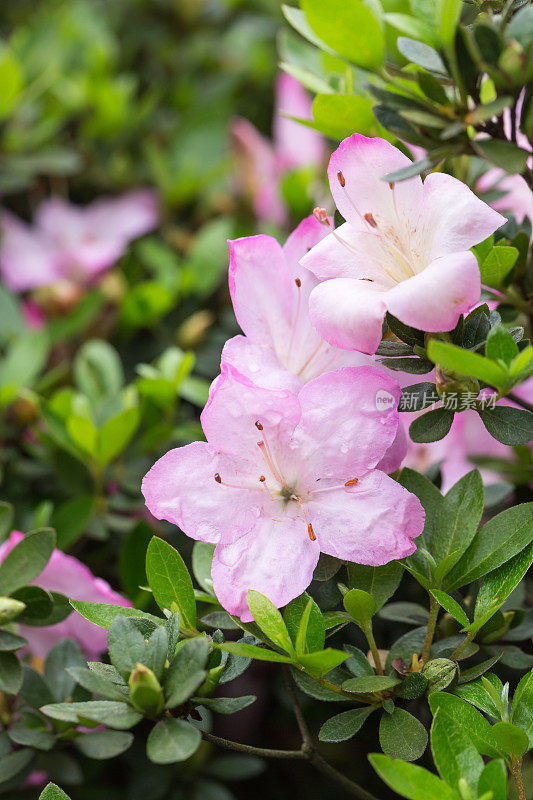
(262, 163)
(284, 477)
(270, 294)
(403, 248)
(74, 243)
(517, 198)
(68, 576)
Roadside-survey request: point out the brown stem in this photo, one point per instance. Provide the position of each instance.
(516, 769)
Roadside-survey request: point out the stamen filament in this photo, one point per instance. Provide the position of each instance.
(310, 531)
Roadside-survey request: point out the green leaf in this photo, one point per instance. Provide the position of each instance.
(53, 792)
(350, 28)
(338, 115)
(10, 673)
(6, 517)
(497, 542)
(431, 426)
(103, 712)
(493, 779)
(315, 633)
(511, 739)
(410, 780)
(116, 433)
(453, 752)
(202, 558)
(431, 498)
(358, 663)
(477, 694)
(413, 27)
(27, 560)
(457, 518)
(448, 13)
(98, 370)
(459, 712)
(13, 763)
(66, 653)
(251, 651)
(322, 661)
(126, 645)
(380, 582)
(343, 726)
(172, 740)
(170, 581)
(500, 345)
(10, 641)
(225, 705)
(498, 585)
(502, 154)
(103, 614)
(186, 671)
(97, 684)
(451, 606)
(465, 362)
(269, 619)
(402, 736)
(522, 708)
(101, 745)
(361, 606)
(370, 683)
(70, 519)
(511, 426)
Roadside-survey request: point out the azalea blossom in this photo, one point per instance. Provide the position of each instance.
(403, 248)
(262, 163)
(68, 576)
(69, 243)
(283, 477)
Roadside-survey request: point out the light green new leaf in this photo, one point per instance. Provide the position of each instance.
(53, 792)
(270, 620)
(462, 713)
(465, 362)
(451, 606)
(380, 582)
(410, 780)
(103, 614)
(493, 779)
(454, 753)
(497, 264)
(522, 708)
(350, 28)
(457, 519)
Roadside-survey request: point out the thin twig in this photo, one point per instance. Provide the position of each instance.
(432, 623)
(262, 752)
(516, 769)
(305, 733)
(518, 400)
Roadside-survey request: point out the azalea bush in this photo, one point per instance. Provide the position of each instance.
(266, 520)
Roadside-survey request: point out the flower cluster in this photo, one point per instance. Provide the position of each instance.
(302, 428)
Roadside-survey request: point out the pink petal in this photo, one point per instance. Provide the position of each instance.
(363, 163)
(308, 233)
(124, 218)
(434, 299)
(259, 364)
(276, 558)
(27, 259)
(347, 253)
(371, 523)
(349, 313)
(349, 421)
(263, 297)
(517, 199)
(452, 217)
(182, 489)
(296, 145)
(235, 405)
(392, 460)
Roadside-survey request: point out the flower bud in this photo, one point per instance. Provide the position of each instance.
(439, 672)
(113, 286)
(211, 682)
(10, 609)
(414, 685)
(58, 299)
(463, 387)
(146, 694)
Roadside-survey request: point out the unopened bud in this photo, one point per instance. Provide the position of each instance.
(513, 63)
(464, 387)
(439, 673)
(113, 286)
(146, 694)
(211, 682)
(58, 299)
(10, 609)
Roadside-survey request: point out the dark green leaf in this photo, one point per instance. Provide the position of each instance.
(170, 581)
(101, 745)
(27, 560)
(402, 736)
(172, 740)
(511, 426)
(345, 725)
(431, 426)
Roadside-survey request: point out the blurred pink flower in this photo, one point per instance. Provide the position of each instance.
(404, 248)
(262, 164)
(67, 575)
(68, 242)
(283, 477)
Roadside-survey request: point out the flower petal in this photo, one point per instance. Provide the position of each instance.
(392, 460)
(27, 259)
(182, 489)
(371, 523)
(434, 299)
(259, 364)
(364, 162)
(296, 145)
(347, 253)
(453, 218)
(349, 313)
(349, 420)
(235, 405)
(276, 558)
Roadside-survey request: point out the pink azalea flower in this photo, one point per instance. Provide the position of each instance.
(517, 197)
(263, 163)
(403, 248)
(284, 477)
(69, 242)
(67, 575)
(270, 294)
